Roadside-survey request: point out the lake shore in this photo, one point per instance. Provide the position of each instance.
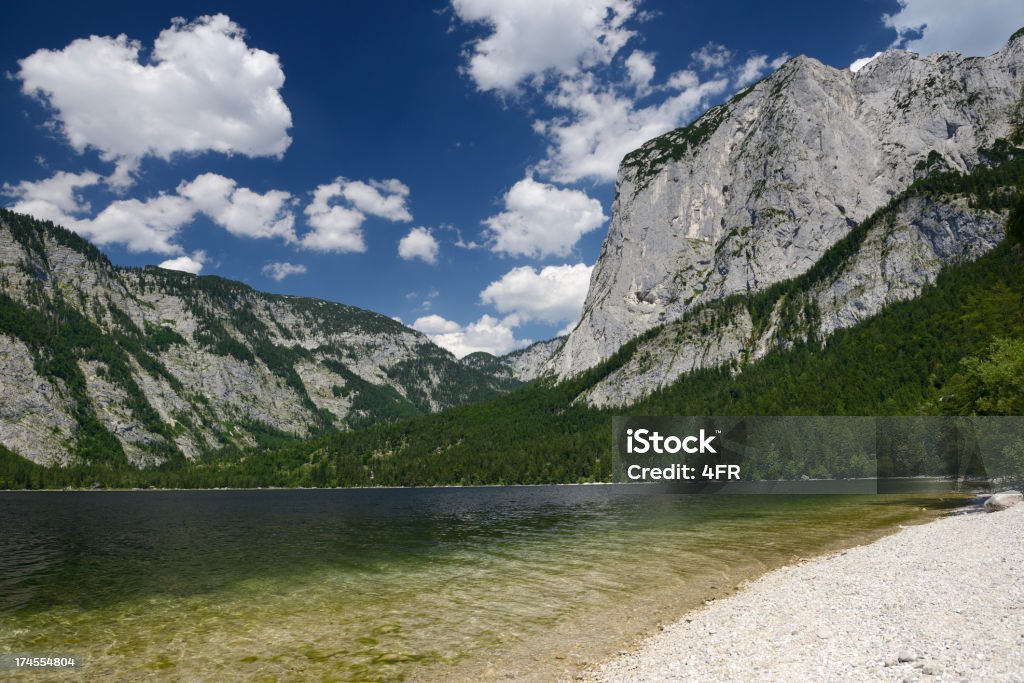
(939, 601)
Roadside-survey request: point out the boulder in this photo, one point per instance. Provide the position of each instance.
(1002, 500)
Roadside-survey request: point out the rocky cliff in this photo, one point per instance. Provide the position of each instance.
(756, 191)
(891, 257)
(529, 363)
(100, 363)
(521, 365)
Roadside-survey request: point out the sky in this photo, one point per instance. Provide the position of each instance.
(449, 164)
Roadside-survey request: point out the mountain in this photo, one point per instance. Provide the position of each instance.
(940, 221)
(146, 366)
(529, 363)
(823, 243)
(901, 362)
(758, 189)
(521, 365)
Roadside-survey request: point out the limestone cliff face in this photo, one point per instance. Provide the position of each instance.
(903, 249)
(529, 363)
(517, 366)
(757, 189)
(171, 365)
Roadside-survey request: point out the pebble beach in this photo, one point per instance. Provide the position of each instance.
(942, 601)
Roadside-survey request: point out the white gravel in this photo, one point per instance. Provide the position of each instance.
(942, 601)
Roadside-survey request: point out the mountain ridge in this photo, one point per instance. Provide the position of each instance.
(147, 365)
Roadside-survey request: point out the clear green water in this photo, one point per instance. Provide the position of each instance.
(386, 584)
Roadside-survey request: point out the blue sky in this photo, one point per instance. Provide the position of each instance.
(449, 164)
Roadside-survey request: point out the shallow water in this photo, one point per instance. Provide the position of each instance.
(386, 584)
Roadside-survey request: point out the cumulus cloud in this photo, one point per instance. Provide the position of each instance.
(188, 264)
(419, 243)
(555, 294)
(640, 70)
(435, 324)
(335, 228)
(563, 49)
(383, 198)
(528, 39)
(201, 88)
(755, 67)
(150, 225)
(52, 199)
(683, 80)
(599, 120)
(486, 334)
(154, 223)
(542, 220)
(552, 295)
(281, 269)
(339, 228)
(979, 27)
(239, 210)
(602, 124)
(712, 56)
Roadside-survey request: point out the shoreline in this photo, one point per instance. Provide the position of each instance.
(316, 488)
(942, 600)
(68, 489)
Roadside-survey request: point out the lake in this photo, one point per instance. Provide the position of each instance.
(387, 584)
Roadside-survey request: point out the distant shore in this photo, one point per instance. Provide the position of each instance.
(637, 485)
(935, 602)
(69, 489)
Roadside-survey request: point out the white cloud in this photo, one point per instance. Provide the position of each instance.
(335, 228)
(239, 210)
(755, 67)
(189, 264)
(528, 39)
(712, 56)
(52, 199)
(974, 27)
(153, 224)
(553, 295)
(384, 198)
(281, 269)
(149, 225)
(859, 64)
(123, 176)
(640, 67)
(683, 80)
(751, 70)
(460, 242)
(543, 220)
(339, 228)
(435, 324)
(550, 46)
(602, 124)
(419, 243)
(200, 89)
(486, 334)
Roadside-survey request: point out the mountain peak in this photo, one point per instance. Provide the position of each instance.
(757, 189)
